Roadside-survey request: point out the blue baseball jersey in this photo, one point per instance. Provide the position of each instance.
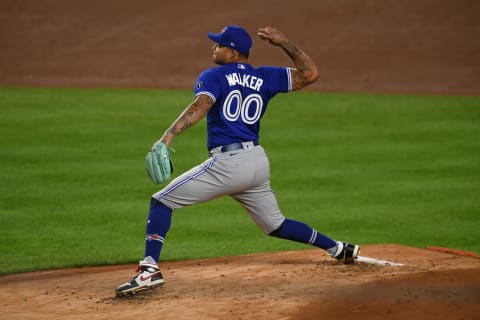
(241, 94)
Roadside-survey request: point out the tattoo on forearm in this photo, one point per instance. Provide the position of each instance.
(290, 49)
(186, 119)
(299, 58)
(302, 62)
(194, 113)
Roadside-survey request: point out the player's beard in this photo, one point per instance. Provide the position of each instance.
(217, 60)
(219, 57)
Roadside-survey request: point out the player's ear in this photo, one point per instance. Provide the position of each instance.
(234, 55)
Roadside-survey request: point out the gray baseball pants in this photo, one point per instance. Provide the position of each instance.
(243, 174)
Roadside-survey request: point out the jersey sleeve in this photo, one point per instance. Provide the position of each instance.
(279, 78)
(207, 83)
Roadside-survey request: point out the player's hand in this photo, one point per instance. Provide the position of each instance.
(165, 139)
(271, 34)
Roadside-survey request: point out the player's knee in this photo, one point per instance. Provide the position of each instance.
(158, 203)
(271, 227)
(268, 221)
(278, 232)
(154, 202)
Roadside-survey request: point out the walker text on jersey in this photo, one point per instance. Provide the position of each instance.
(244, 80)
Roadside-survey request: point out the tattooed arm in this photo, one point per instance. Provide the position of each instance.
(191, 115)
(306, 71)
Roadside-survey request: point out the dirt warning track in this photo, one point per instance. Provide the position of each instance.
(408, 46)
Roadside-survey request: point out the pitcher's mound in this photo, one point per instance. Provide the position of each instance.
(304, 284)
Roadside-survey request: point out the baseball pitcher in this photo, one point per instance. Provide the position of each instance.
(233, 96)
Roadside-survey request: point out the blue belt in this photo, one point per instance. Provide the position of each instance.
(232, 147)
(235, 146)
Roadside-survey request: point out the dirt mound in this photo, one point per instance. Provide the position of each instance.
(409, 46)
(303, 284)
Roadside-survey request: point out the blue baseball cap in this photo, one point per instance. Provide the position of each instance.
(234, 37)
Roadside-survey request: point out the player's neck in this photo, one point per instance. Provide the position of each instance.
(233, 62)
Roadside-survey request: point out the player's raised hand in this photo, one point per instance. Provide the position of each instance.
(271, 34)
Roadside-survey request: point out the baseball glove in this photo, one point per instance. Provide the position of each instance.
(158, 163)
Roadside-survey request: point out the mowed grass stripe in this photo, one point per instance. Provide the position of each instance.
(358, 167)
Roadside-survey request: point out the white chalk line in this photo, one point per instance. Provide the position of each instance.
(378, 261)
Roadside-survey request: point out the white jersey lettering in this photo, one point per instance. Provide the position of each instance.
(246, 80)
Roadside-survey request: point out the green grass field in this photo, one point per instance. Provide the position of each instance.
(363, 168)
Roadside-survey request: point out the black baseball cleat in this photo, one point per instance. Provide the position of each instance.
(347, 253)
(148, 277)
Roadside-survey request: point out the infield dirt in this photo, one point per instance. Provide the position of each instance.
(382, 46)
(304, 284)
